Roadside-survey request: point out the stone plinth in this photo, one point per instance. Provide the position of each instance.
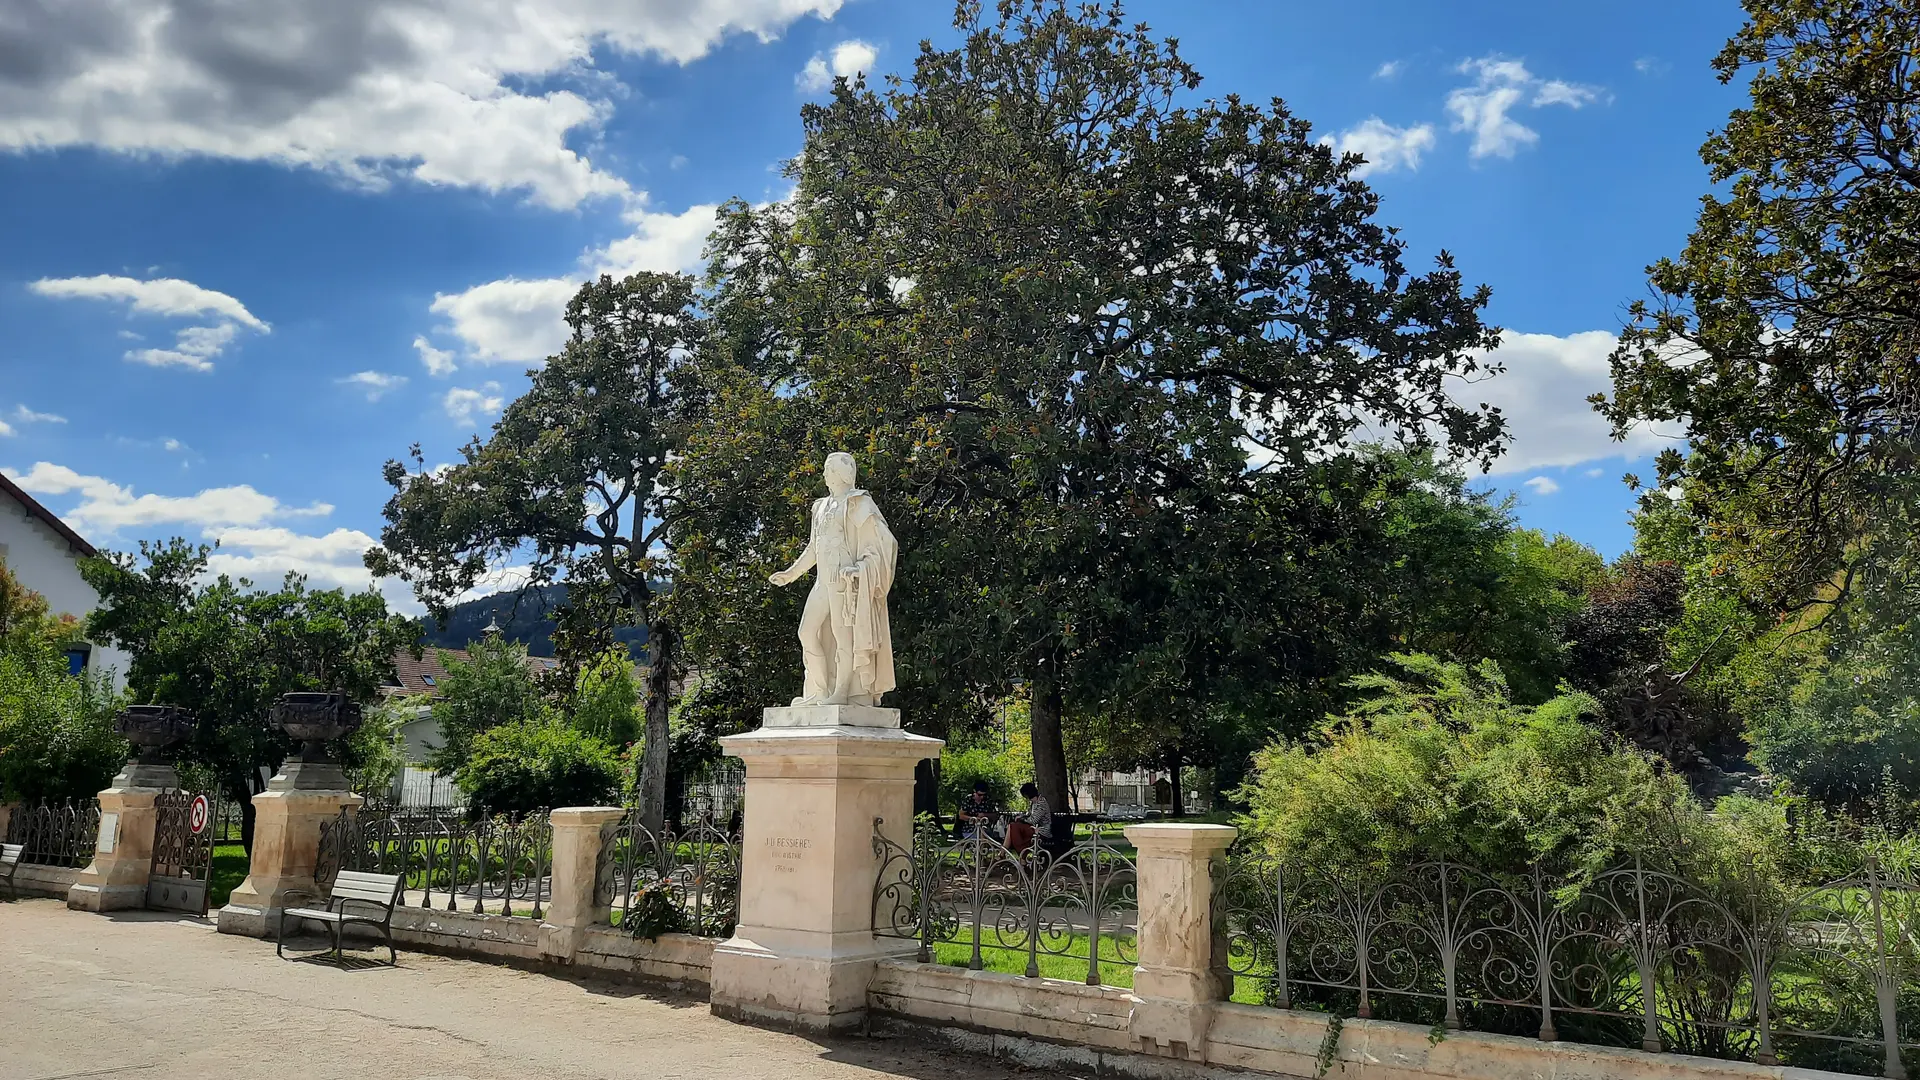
(804, 951)
(1182, 969)
(821, 716)
(123, 849)
(286, 845)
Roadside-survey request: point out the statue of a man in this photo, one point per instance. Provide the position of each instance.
(844, 635)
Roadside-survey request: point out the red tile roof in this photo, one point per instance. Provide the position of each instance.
(422, 676)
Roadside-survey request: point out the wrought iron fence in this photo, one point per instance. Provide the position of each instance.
(656, 883)
(1067, 910)
(498, 866)
(55, 834)
(1825, 976)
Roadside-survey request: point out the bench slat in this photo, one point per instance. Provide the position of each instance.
(383, 891)
(10, 853)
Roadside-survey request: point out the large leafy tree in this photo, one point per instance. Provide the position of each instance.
(1089, 335)
(570, 481)
(227, 651)
(1786, 335)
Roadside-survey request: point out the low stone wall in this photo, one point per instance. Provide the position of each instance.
(486, 937)
(1044, 1023)
(32, 879)
(679, 960)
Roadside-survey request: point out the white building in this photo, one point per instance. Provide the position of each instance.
(43, 553)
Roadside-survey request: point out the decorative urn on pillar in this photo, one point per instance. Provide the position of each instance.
(151, 729)
(315, 719)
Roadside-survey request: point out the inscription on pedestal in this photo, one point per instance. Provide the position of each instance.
(787, 850)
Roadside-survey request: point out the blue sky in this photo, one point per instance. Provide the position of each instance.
(245, 261)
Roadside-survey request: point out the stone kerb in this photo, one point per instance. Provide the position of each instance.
(116, 879)
(1182, 971)
(575, 903)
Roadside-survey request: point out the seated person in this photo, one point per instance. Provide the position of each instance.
(1037, 821)
(975, 814)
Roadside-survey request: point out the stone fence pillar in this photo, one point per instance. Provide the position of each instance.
(575, 902)
(817, 778)
(286, 845)
(6, 818)
(123, 849)
(1182, 968)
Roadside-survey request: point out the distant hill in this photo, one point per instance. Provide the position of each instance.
(524, 616)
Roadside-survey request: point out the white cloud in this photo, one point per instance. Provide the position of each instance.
(520, 321)
(28, 416)
(5, 429)
(439, 362)
(1543, 395)
(464, 405)
(376, 384)
(1500, 86)
(159, 296)
(194, 347)
(511, 321)
(1556, 92)
(1387, 70)
(1542, 485)
(848, 59)
(1385, 147)
(1594, 472)
(485, 95)
(105, 507)
(173, 446)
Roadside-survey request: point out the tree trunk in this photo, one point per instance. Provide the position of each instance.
(1049, 752)
(1173, 770)
(653, 761)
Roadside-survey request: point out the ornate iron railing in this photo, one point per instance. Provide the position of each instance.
(55, 834)
(656, 883)
(1826, 976)
(1060, 907)
(498, 866)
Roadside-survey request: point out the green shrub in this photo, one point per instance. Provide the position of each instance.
(532, 765)
(56, 729)
(1442, 763)
(960, 768)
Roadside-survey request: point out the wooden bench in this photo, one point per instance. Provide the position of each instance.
(9, 863)
(369, 892)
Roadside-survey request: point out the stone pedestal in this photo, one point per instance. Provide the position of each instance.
(804, 951)
(286, 845)
(116, 879)
(576, 902)
(1182, 969)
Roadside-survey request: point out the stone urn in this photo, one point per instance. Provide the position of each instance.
(151, 729)
(315, 719)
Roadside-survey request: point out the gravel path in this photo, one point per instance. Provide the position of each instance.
(147, 996)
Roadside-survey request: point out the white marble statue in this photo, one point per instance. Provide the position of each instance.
(844, 635)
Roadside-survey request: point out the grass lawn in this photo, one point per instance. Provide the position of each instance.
(1114, 971)
(229, 870)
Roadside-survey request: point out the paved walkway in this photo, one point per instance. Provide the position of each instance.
(145, 996)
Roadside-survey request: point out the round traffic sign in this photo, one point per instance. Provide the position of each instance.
(199, 814)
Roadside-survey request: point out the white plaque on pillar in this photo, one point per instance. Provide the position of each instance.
(109, 833)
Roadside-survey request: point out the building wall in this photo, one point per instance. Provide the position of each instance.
(43, 562)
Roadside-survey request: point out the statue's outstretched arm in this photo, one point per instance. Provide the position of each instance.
(801, 565)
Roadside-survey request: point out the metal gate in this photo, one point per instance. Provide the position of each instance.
(183, 833)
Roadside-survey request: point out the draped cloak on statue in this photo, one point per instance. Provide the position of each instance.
(875, 551)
